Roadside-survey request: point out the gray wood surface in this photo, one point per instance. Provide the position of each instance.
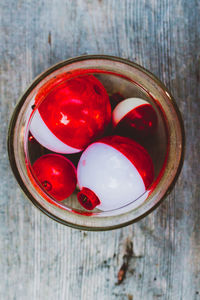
(156, 258)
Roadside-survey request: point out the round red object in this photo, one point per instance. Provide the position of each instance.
(113, 172)
(57, 175)
(135, 117)
(76, 112)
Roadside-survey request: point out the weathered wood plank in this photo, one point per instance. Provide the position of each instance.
(44, 260)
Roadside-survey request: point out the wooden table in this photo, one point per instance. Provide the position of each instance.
(43, 260)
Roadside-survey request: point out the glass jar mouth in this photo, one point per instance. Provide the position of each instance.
(127, 214)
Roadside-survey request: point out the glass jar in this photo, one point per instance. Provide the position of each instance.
(167, 148)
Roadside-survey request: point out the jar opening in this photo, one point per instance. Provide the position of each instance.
(148, 128)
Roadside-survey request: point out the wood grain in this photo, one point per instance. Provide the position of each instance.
(41, 259)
